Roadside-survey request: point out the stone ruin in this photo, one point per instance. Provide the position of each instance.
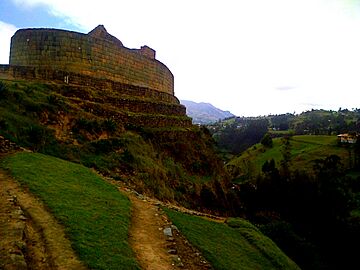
(100, 61)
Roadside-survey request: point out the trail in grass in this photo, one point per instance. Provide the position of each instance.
(147, 238)
(30, 237)
(155, 250)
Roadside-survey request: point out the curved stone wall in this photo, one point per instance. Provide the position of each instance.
(96, 54)
(10, 72)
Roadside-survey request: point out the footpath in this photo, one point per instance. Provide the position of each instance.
(31, 238)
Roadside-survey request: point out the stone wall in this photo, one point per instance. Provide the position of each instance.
(75, 79)
(97, 54)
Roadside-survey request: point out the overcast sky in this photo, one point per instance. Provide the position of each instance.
(251, 57)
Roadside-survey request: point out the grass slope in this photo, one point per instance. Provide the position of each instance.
(96, 216)
(241, 246)
(304, 149)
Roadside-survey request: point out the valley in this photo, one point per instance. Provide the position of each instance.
(101, 168)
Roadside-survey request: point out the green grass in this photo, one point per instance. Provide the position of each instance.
(281, 132)
(240, 246)
(304, 150)
(316, 139)
(355, 213)
(95, 215)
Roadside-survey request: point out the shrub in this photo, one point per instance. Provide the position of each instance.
(37, 136)
(240, 223)
(91, 126)
(267, 140)
(29, 90)
(109, 125)
(3, 124)
(4, 92)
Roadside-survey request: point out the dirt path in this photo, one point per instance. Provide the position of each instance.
(30, 238)
(156, 242)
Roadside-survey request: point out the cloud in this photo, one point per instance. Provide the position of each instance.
(285, 88)
(28, 3)
(312, 105)
(6, 32)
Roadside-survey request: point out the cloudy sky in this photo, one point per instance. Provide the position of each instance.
(252, 57)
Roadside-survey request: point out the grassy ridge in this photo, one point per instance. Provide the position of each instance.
(96, 216)
(304, 149)
(240, 246)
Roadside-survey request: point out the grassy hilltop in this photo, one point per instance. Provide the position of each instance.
(304, 149)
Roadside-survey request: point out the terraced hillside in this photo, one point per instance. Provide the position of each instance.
(132, 132)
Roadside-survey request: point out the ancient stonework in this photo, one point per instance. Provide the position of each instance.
(96, 54)
(132, 81)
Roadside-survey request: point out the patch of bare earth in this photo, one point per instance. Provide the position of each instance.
(30, 238)
(156, 242)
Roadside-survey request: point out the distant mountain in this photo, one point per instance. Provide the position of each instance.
(204, 113)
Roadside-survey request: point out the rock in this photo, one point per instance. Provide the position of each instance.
(174, 228)
(170, 239)
(6, 146)
(170, 245)
(172, 251)
(168, 232)
(177, 261)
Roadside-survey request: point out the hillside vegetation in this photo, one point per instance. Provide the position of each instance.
(232, 246)
(95, 215)
(81, 124)
(234, 135)
(304, 149)
(299, 190)
(296, 189)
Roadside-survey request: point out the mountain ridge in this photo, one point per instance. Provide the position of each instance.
(203, 112)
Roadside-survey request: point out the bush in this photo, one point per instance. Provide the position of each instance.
(37, 136)
(3, 124)
(4, 92)
(109, 125)
(91, 126)
(267, 140)
(304, 253)
(240, 223)
(53, 100)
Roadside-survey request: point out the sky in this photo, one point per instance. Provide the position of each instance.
(251, 57)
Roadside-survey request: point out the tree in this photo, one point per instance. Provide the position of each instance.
(267, 140)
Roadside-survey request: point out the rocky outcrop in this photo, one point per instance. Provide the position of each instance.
(7, 146)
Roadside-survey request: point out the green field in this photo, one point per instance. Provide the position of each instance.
(241, 246)
(96, 216)
(304, 150)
